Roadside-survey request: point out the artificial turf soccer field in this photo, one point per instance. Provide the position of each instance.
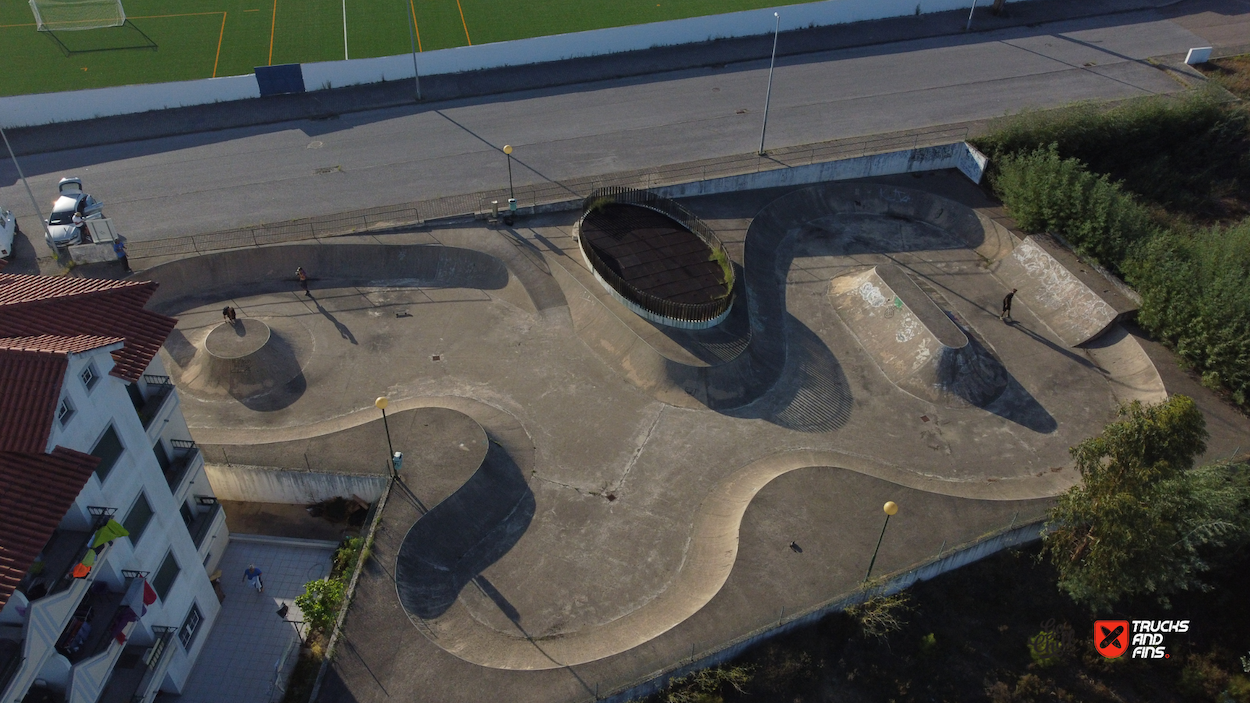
(167, 41)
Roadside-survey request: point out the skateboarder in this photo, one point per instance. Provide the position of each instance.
(1006, 316)
(303, 280)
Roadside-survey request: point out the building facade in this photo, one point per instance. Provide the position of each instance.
(92, 439)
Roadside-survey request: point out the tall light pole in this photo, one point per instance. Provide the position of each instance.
(890, 508)
(507, 150)
(412, 40)
(381, 404)
(35, 203)
(769, 95)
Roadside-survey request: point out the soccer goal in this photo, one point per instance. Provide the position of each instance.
(67, 15)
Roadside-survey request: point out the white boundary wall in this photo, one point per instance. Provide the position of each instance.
(44, 108)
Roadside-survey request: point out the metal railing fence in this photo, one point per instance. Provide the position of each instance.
(692, 312)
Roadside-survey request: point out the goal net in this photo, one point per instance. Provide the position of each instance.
(64, 15)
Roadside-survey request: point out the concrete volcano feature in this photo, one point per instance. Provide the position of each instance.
(243, 359)
(913, 341)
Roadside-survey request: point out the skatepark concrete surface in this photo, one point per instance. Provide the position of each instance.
(588, 499)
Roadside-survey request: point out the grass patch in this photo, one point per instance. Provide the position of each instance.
(1232, 73)
(230, 37)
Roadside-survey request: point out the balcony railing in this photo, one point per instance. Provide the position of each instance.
(159, 390)
(140, 681)
(185, 454)
(46, 622)
(207, 509)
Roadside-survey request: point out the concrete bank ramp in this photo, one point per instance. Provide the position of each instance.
(1070, 297)
(913, 342)
(186, 282)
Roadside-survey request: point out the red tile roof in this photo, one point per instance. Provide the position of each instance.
(31, 373)
(38, 490)
(57, 343)
(63, 306)
(42, 320)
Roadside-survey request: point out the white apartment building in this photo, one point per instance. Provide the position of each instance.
(91, 431)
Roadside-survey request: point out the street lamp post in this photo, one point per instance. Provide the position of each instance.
(890, 508)
(507, 150)
(381, 404)
(412, 40)
(768, 96)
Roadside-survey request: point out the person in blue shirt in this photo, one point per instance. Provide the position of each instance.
(252, 576)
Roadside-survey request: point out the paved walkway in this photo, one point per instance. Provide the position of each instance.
(249, 639)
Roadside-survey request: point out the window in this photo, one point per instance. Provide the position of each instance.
(186, 633)
(166, 575)
(137, 519)
(109, 448)
(88, 377)
(64, 412)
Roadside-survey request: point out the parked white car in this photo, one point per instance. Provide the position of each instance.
(8, 225)
(62, 232)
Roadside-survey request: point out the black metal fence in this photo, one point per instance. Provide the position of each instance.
(689, 312)
(535, 195)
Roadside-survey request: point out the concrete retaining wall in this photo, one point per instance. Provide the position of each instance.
(262, 484)
(959, 155)
(273, 268)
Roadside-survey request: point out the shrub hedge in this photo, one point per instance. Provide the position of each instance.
(1090, 176)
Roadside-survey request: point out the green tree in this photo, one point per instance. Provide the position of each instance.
(320, 603)
(1141, 517)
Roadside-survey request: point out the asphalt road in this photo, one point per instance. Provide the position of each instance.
(204, 182)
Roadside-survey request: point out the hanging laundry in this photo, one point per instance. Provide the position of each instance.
(83, 568)
(111, 531)
(149, 595)
(124, 617)
(134, 596)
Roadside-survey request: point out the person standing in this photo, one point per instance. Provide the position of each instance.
(303, 280)
(252, 576)
(81, 225)
(1006, 316)
(119, 248)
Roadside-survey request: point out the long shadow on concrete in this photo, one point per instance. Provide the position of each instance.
(812, 394)
(450, 546)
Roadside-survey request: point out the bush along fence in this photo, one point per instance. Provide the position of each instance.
(329, 602)
(1172, 159)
